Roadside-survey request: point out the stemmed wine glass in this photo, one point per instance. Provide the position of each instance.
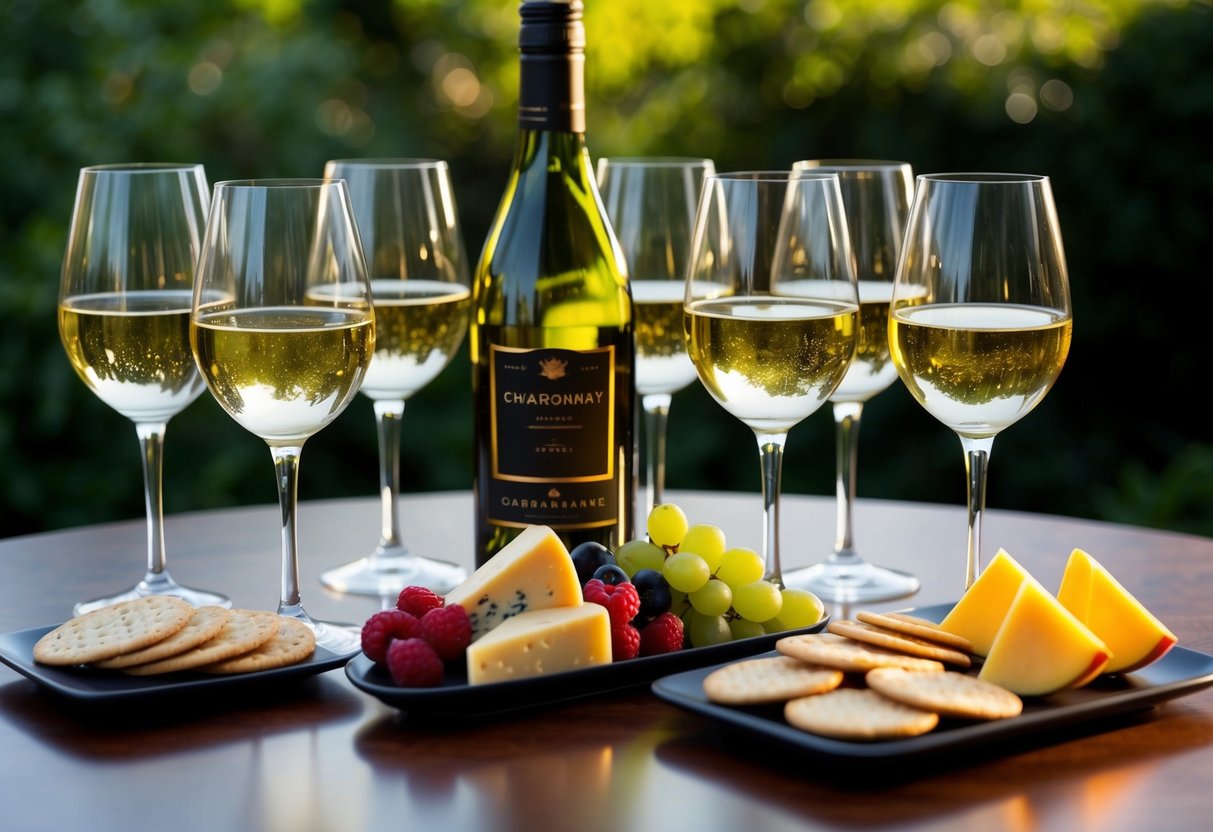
(651, 203)
(283, 330)
(124, 301)
(411, 238)
(876, 195)
(771, 358)
(981, 319)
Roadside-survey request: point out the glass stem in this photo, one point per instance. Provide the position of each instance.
(286, 470)
(656, 413)
(151, 446)
(770, 453)
(388, 415)
(977, 461)
(846, 458)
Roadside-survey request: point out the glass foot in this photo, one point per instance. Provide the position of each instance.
(151, 584)
(852, 583)
(384, 574)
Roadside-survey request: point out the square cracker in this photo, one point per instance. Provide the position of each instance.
(111, 631)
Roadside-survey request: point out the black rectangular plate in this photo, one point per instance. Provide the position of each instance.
(105, 686)
(455, 697)
(1178, 673)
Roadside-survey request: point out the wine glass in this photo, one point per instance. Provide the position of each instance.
(283, 330)
(876, 195)
(769, 357)
(124, 300)
(651, 204)
(981, 320)
(405, 210)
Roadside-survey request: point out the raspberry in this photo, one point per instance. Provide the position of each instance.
(448, 630)
(625, 642)
(414, 664)
(382, 628)
(664, 634)
(621, 600)
(418, 600)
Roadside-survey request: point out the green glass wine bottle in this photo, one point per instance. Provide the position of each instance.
(551, 333)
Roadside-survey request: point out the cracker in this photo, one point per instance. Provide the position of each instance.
(111, 631)
(768, 679)
(845, 654)
(900, 642)
(293, 643)
(918, 627)
(948, 694)
(858, 714)
(243, 631)
(203, 625)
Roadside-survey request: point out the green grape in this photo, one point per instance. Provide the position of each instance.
(667, 524)
(678, 601)
(740, 566)
(758, 600)
(801, 608)
(706, 541)
(639, 554)
(741, 628)
(706, 630)
(686, 571)
(713, 598)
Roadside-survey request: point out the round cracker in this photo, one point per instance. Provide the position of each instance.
(243, 631)
(948, 694)
(899, 642)
(768, 679)
(918, 627)
(204, 624)
(858, 714)
(111, 631)
(830, 650)
(293, 643)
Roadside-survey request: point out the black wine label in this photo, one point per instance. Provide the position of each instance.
(552, 437)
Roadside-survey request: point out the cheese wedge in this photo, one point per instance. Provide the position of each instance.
(539, 642)
(1041, 647)
(533, 572)
(979, 612)
(1135, 637)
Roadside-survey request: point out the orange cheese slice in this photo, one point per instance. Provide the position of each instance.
(980, 611)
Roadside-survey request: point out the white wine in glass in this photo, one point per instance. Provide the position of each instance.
(771, 359)
(876, 195)
(283, 330)
(124, 303)
(651, 203)
(981, 320)
(411, 237)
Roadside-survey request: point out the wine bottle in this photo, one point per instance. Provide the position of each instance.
(551, 337)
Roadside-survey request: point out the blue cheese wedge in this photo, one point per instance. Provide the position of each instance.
(539, 642)
(533, 572)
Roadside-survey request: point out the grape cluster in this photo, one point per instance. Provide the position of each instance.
(718, 592)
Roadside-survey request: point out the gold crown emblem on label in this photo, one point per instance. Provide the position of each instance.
(552, 368)
(553, 492)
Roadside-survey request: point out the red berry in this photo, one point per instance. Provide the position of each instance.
(414, 664)
(621, 600)
(418, 600)
(448, 630)
(625, 642)
(664, 634)
(382, 628)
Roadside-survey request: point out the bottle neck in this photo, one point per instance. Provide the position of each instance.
(551, 95)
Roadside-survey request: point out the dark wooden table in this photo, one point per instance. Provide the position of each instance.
(324, 756)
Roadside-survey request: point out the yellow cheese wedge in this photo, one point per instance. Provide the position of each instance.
(1041, 647)
(533, 572)
(979, 612)
(539, 642)
(1133, 634)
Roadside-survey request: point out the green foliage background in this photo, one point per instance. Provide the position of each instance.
(1112, 98)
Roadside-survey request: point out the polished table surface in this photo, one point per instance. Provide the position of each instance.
(322, 755)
